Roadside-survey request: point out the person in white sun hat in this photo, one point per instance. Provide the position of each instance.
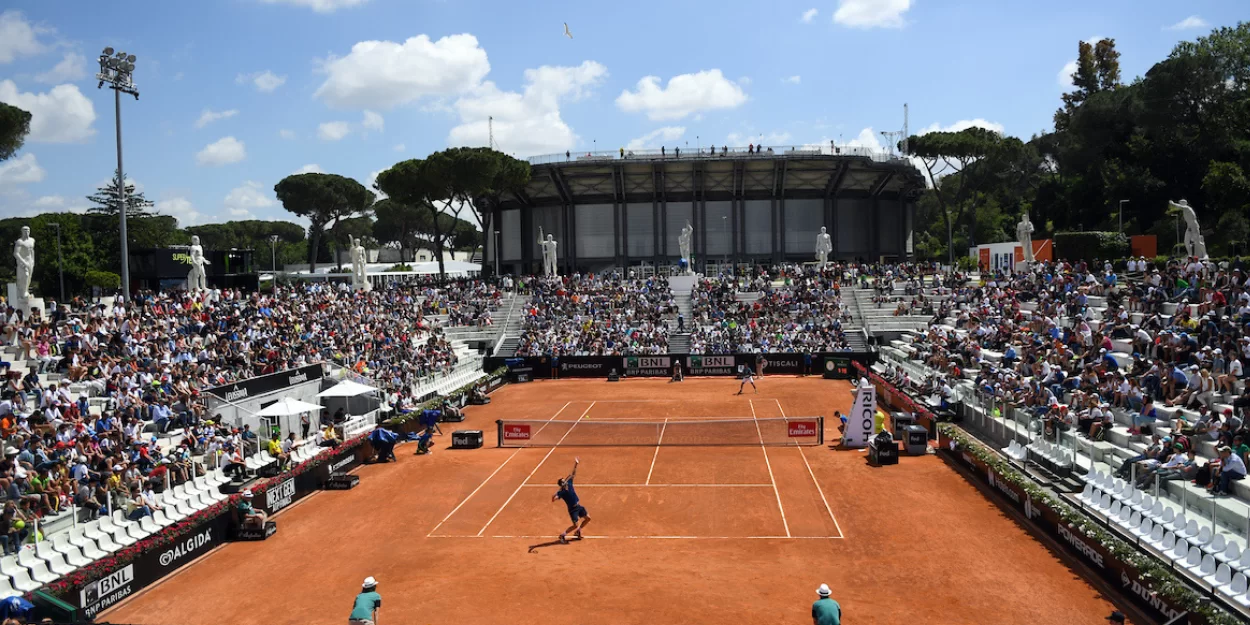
(368, 602)
(826, 611)
(250, 516)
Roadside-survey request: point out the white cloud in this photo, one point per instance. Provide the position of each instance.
(866, 138)
(371, 180)
(1069, 68)
(320, 6)
(209, 116)
(72, 67)
(871, 13)
(224, 151)
(373, 121)
(333, 131)
(384, 74)
(17, 37)
(62, 115)
(656, 137)
(685, 95)
(963, 124)
(179, 208)
(248, 197)
(287, 134)
(311, 168)
(23, 169)
(399, 147)
(739, 139)
(529, 122)
(1193, 21)
(794, 80)
(809, 15)
(265, 82)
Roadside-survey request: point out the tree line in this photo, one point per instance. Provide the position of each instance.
(1181, 131)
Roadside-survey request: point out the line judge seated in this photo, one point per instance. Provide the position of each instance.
(248, 515)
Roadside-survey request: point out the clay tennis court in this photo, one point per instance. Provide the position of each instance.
(682, 532)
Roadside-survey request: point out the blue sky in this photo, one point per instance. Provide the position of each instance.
(237, 94)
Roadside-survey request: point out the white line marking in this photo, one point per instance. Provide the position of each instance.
(553, 537)
(540, 464)
(658, 486)
(657, 450)
(814, 480)
(782, 510)
(497, 469)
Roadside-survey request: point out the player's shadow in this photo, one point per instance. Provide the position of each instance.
(553, 543)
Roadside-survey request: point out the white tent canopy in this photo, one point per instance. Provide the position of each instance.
(347, 388)
(286, 407)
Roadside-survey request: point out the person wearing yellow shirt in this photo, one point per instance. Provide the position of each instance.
(275, 450)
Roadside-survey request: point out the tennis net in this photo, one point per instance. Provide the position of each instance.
(773, 431)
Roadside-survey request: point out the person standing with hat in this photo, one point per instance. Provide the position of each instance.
(368, 602)
(826, 611)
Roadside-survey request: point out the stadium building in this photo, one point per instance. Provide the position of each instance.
(627, 208)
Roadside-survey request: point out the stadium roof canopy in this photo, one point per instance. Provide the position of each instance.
(644, 175)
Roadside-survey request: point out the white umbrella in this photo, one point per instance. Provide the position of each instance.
(286, 407)
(347, 388)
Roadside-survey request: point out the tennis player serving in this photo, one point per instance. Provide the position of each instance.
(577, 512)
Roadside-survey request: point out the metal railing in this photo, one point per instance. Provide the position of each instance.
(711, 152)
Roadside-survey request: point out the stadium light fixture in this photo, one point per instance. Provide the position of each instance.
(117, 69)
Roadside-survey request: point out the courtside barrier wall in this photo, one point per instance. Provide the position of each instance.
(539, 367)
(1151, 586)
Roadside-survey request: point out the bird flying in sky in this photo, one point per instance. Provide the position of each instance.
(566, 31)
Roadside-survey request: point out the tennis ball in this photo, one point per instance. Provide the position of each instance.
(19, 524)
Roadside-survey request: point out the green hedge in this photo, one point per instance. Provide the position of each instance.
(1163, 580)
(1074, 246)
(415, 414)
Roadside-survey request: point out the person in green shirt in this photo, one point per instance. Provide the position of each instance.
(368, 602)
(826, 611)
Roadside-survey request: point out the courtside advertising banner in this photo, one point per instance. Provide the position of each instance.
(652, 366)
(859, 424)
(712, 365)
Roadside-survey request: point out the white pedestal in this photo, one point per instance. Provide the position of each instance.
(24, 305)
(682, 283)
(12, 294)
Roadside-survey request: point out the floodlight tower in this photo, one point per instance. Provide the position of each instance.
(117, 69)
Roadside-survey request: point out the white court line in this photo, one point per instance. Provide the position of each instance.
(497, 469)
(676, 419)
(540, 464)
(657, 450)
(658, 486)
(553, 537)
(780, 508)
(815, 481)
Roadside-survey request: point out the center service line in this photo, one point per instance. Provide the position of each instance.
(540, 464)
(657, 449)
(780, 508)
(814, 480)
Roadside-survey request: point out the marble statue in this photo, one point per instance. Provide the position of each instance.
(1195, 244)
(24, 252)
(548, 245)
(196, 278)
(1024, 234)
(824, 245)
(360, 280)
(683, 245)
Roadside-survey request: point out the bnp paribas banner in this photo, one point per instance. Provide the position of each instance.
(648, 366)
(860, 423)
(712, 365)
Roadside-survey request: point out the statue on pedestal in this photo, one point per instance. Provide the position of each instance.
(548, 245)
(196, 278)
(360, 280)
(24, 252)
(683, 245)
(1195, 244)
(1024, 234)
(824, 245)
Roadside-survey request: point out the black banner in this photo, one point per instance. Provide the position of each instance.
(782, 364)
(267, 383)
(693, 364)
(651, 366)
(587, 366)
(713, 365)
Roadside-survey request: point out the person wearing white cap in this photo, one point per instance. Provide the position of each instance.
(368, 602)
(250, 515)
(826, 611)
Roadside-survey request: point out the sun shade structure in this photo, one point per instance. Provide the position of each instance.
(286, 407)
(347, 388)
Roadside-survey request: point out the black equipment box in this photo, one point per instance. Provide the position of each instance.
(466, 439)
(882, 450)
(342, 481)
(900, 421)
(917, 441)
(256, 533)
(522, 374)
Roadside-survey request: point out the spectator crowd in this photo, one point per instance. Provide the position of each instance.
(597, 315)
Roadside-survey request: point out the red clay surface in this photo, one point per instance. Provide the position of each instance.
(679, 534)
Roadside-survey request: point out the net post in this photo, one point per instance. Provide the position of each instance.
(498, 432)
(820, 430)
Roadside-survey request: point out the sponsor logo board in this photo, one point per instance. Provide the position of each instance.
(801, 429)
(516, 431)
(182, 549)
(648, 365)
(108, 590)
(861, 422)
(280, 496)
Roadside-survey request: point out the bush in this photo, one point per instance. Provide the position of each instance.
(401, 267)
(966, 263)
(103, 279)
(1074, 246)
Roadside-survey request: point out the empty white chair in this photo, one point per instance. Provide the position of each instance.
(1194, 560)
(1236, 587)
(1146, 528)
(55, 559)
(1204, 536)
(1231, 553)
(1181, 551)
(1178, 524)
(40, 573)
(1105, 504)
(22, 581)
(7, 590)
(1242, 565)
(1216, 546)
(1115, 509)
(89, 541)
(1168, 516)
(1134, 520)
(162, 519)
(1147, 502)
(1206, 570)
(116, 532)
(1222, 576)
(73, 555)
(1087, 492)
(1124, 516)
(1167, 543)
(1135, 499)
(1244, 599)
(1156, 510)
(1190, 532)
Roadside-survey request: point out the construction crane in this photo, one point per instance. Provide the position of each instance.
(896, 139)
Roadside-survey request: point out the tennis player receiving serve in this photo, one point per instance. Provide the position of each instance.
(577, 512)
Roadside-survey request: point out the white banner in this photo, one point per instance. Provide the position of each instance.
(859, 424)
